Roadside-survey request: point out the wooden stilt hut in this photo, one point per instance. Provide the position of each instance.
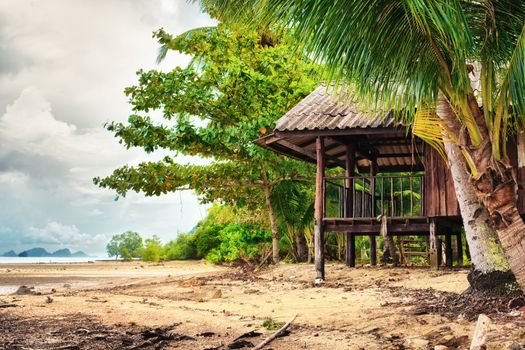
(390, 177)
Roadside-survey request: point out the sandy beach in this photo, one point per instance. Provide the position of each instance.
(194, 305)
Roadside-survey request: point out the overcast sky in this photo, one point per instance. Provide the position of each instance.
(63, 67)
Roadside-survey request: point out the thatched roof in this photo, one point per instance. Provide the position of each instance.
(340, 122)
(322, 111)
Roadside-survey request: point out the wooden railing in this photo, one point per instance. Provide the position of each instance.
(371, 196)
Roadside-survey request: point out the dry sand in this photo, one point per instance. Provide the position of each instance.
(363, 308)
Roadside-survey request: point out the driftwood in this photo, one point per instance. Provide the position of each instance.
(96, 300)
(250, 334)
(480, 333)
(275, 335)
(2, 306)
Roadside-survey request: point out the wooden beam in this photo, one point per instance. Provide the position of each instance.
(307, 143)
(307, 153)
(367, 229)
(394, 168)
(268, 139)
(331, 147)
(310, 142)
(405, 220)
(297, 149)
(389, 141)
(319, 210)
(396, 155)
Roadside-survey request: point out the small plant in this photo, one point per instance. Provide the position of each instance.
(272, 325)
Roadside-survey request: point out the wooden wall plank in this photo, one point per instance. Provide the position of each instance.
(441, 169)
(440, 196)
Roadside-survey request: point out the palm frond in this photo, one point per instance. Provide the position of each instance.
(393, 52)
(428, 127)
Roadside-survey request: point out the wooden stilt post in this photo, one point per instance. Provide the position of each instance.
(448, 249)
(434, 242)
(350, 249)
(372, 238)
(373, 250)
(349, 202)
(319, 210)
(459, 245)
(439, 250)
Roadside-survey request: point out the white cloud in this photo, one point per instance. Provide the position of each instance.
(13, 177)
(95, 212)
(82, 54)
(64, 66)
(29, 127)
(61, 235)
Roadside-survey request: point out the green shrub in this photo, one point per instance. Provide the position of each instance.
(239, 242)
(182, 248)
(152, 250)
(207, 238)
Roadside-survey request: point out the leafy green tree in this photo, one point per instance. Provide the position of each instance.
(422, 55)
(152, 250)
(126, 245)
(238, 85)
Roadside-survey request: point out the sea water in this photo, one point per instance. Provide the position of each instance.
(6, 287)
(47, 259)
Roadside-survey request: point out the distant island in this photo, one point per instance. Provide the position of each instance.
(41, 252)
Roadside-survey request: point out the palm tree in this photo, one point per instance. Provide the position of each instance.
(417, 55)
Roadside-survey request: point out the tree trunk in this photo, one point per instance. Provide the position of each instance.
(491, 267)
(273, 219)
(311, 247)
(498, 191)
(486, 252)
(302, 249)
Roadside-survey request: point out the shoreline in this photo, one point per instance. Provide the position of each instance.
(45, 276)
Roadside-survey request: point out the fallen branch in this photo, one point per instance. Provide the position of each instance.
(264, 260)
(275, 335)
(7, 305)
(69, 347)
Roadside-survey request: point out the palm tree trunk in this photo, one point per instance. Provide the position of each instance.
(273, 219)
(486, 252)
(478, 216)
(497, 189)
